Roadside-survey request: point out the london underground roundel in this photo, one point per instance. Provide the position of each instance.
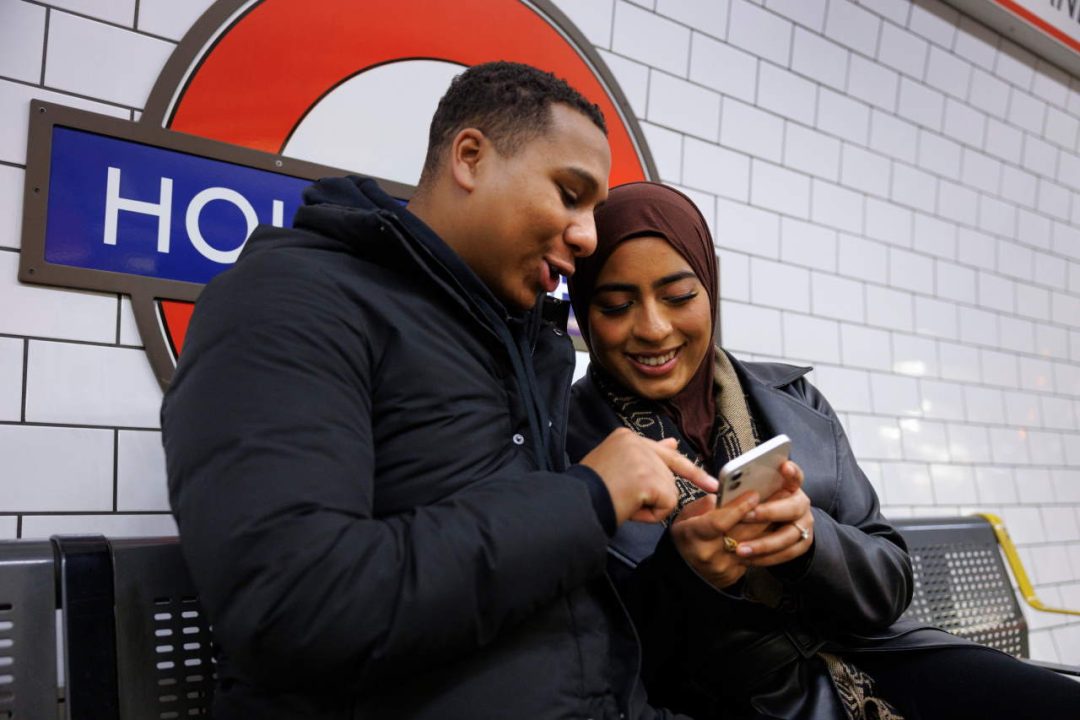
(345, 86)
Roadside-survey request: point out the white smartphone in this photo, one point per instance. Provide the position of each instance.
(758, 469)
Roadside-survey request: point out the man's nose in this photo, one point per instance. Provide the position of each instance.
(581, 234)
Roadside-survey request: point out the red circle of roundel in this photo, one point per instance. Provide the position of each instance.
(275, 59)
(267, 89)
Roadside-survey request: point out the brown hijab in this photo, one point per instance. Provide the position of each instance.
(646, 208)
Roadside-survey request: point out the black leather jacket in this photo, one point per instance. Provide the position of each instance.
(716, 653)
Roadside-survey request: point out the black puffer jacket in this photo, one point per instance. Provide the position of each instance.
(717, 654)
(375, 521)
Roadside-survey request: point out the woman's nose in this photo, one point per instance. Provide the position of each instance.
(652, 323)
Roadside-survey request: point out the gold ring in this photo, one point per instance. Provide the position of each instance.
(730, 544)
(804, 533)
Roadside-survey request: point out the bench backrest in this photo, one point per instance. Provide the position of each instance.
(27, 631)
(961, 583)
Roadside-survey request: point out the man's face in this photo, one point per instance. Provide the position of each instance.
(535, 208)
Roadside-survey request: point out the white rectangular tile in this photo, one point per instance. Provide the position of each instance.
(810, 338)
(1018, 186)
(748, 328)
(90, 385)
(786, 94)
(978, 326)
(1003, 140)
(1054, 199)
(934, 236)
(914, 188)
(964, 123)
(1065, 309)
(958, 362)
(969, 443)
(843, 117)
(1037, 231)
(976, 42)
(806, 244)
(887, 308)
(980, 171)
(1051, 342)
(651, 39)
(948, 73)
(1060, 524)
(120, 12)
(714, 169)
(957, 203)
(984, 404)
(995, 484)
(894, 137)
(1000, 368)
(848, 390)
(633, 79)
(1058, 413)
(708, 17)
(953, 484)
(112, 526)
(1046, 448)
(811, 152)
(818, 58)
(907, 483)
(1033, 302)
(942, 400)
(1051, 84)
(911, 271)
(723, 68)
(914, 355)
(996, 292)
(734, 275)
(888, 222)
(775, 188)
(752, 131)
(1067, 378)
(976, 248)
(902, 50)
(1036, 374)
(22, 41)
(1022, 409)
(40, 311)
(125, 66)
(864, 259)
(1039, 156)
(997, 216)
(58, 469)
(1069, 169)
(850, 25)
(140, 472)
(1061, 128)
(836, 207)
(1015, 64)
(872, 83)
(666, 147)
(988, 93)
(810, 13)
(9, 526)
(934, 21)
(11, 202)
(936, 318)
(897, 12)
(779, 285)
(865, 347)
(11, 378)
(1009, 445)
(864, 170)
(1065, 240)
(759, 32)
(954, 282)
(747, 229)
(1066, 484)
(705, 202)
(1026, 111)
(875, 438)
(668, 98)
(895, 395)
(837, 297)
(921, 105)
(924, 440)
(171, 19)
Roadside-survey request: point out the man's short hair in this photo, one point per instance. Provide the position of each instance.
(508, 102)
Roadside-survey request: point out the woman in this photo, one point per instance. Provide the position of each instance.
(787, 608)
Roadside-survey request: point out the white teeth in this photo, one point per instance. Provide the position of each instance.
(657, 360)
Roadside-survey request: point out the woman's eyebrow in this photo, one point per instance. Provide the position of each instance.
(673, 277)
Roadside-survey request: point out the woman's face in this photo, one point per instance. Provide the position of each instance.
(649, 320)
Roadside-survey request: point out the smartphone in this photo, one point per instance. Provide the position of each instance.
(758, 469)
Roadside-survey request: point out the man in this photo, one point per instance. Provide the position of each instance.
(365, 436)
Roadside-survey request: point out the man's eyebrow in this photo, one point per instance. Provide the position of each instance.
(584, 176)
(615, 287)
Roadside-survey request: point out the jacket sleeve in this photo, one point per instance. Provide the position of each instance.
(268, 432)
(859, 577)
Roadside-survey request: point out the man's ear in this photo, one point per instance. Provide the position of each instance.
(469, 146)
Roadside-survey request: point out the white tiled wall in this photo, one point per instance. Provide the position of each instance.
(895, 194)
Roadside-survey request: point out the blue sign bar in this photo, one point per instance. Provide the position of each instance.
(127, 207)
